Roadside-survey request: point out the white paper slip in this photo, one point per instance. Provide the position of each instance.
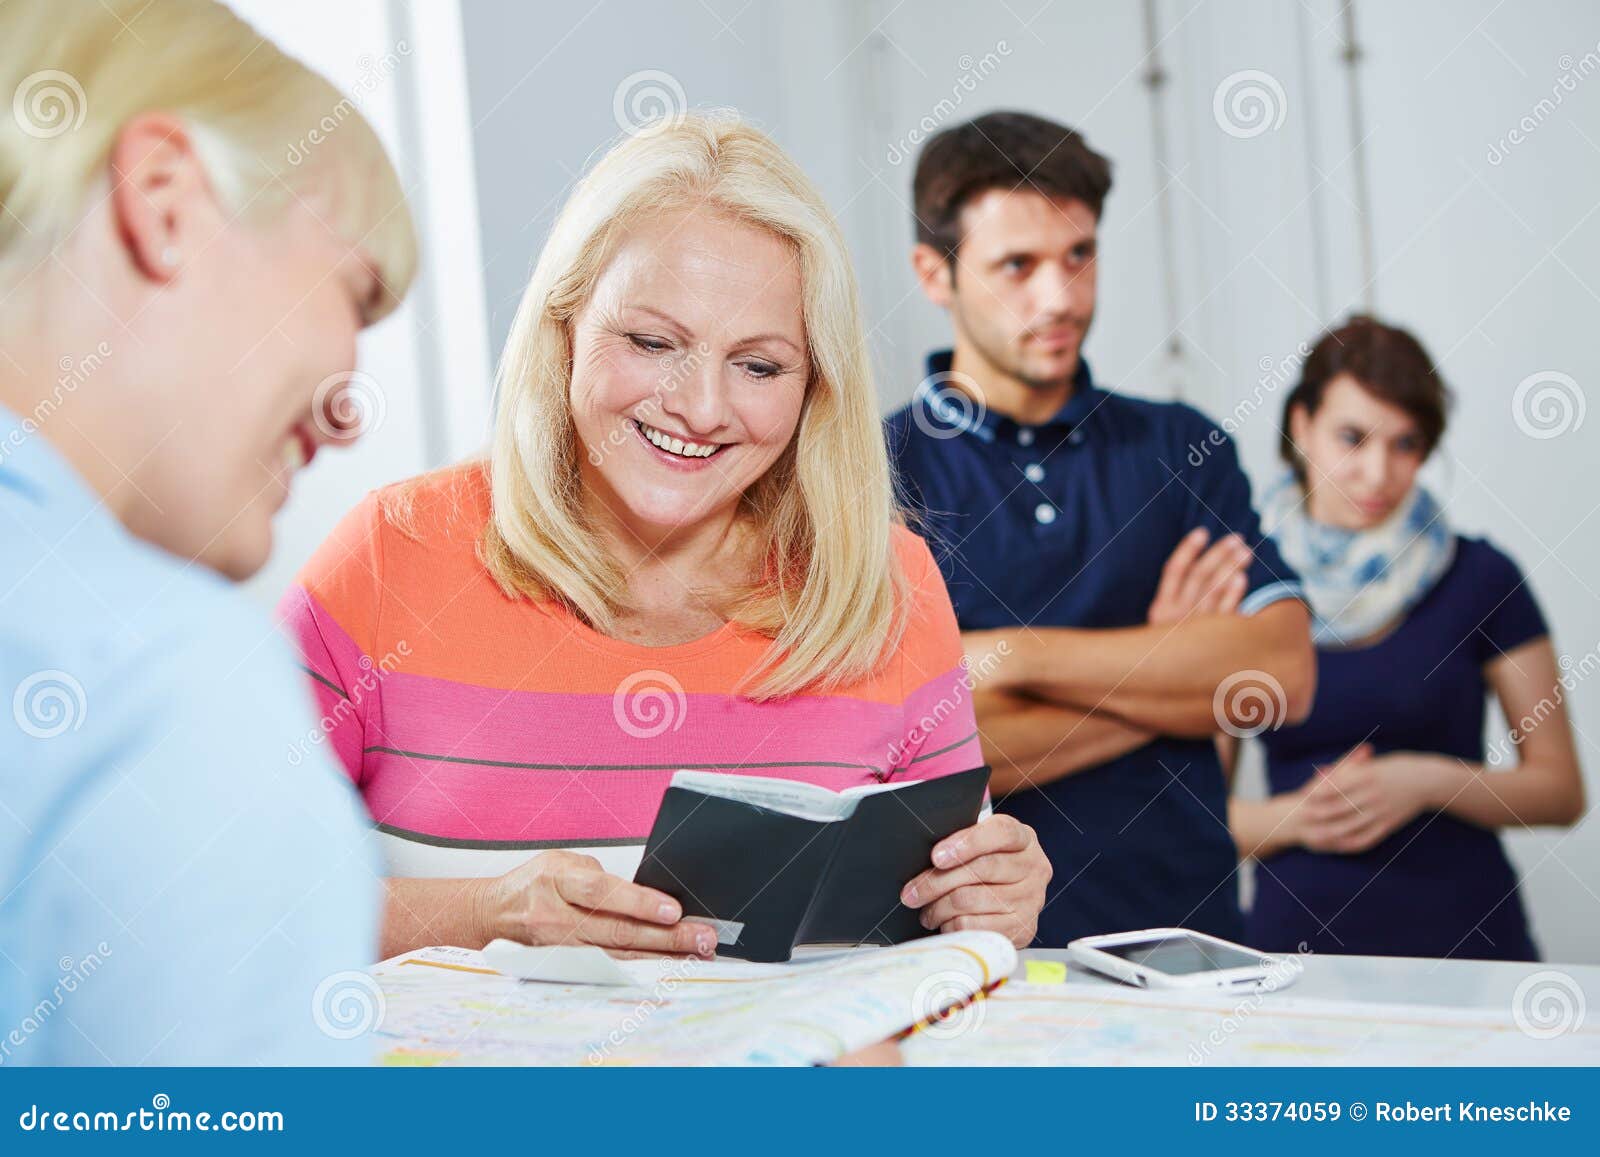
(555, 963)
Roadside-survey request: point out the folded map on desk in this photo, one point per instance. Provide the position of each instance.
(446, 1006)
(773, 863)
(1094, 1025)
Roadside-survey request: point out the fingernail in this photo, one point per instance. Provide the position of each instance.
(667, 913)
(705, 943)
(944, 857)
(908, 896)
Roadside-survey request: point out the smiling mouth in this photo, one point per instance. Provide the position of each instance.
(298, 448)
(663, 441)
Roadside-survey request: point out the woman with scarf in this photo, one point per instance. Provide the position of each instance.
(1380, 833)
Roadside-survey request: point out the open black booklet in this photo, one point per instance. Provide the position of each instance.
(773, 863)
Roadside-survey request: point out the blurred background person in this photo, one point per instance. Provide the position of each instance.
(182, 870)
(1381, 835)
(1107, 568)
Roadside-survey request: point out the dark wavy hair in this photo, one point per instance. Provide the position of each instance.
(1001, 150)
(1388, 362)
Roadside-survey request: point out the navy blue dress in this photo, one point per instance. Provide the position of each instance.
(1438, 886)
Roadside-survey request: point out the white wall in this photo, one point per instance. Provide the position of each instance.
(429, 363)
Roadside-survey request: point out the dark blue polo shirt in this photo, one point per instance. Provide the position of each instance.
(1067, 524)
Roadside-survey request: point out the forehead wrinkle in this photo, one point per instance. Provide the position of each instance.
(642, 273)
(1010, 213)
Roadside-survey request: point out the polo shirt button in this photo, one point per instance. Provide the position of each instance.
(1033, 472)
(1045, 513)
(1025, 437)
(1076, 437)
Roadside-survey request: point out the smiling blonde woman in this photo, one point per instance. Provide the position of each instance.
(684, 551)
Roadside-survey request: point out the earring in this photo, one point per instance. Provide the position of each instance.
(169, 256)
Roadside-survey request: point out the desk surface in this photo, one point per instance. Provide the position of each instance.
(1393, 979)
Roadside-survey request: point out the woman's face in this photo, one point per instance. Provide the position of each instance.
(689, 369)
(262, 376)
(1361, 455)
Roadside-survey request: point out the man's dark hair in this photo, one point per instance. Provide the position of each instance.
(1387, 362)
(1001, 150)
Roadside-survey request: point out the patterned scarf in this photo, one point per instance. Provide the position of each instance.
(1360, 581)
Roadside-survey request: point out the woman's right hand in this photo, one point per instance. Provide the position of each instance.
(1323, 809)
(566, 898)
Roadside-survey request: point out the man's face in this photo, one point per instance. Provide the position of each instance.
(1023, 285)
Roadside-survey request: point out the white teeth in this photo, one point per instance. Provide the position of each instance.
(676, 445)
(294, 452)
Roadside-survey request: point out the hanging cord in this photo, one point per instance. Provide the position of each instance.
(1155, 79)
(1358, 134)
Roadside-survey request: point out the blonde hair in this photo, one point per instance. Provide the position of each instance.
(832, 594)
(266, 127)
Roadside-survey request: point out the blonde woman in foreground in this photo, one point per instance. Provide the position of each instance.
(683, 551)
(172, 890)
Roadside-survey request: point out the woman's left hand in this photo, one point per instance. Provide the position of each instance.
(1362, 799)
(990, 876)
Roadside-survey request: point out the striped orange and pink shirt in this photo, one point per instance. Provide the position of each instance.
(481, 729)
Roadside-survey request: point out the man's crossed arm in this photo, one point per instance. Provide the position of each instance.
(1064, 699)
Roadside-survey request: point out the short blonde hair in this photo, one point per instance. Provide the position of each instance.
(69, 81)
(832, 598)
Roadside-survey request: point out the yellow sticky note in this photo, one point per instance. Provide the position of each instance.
(1045, 972)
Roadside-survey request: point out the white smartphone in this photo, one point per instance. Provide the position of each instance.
(1180, 958)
